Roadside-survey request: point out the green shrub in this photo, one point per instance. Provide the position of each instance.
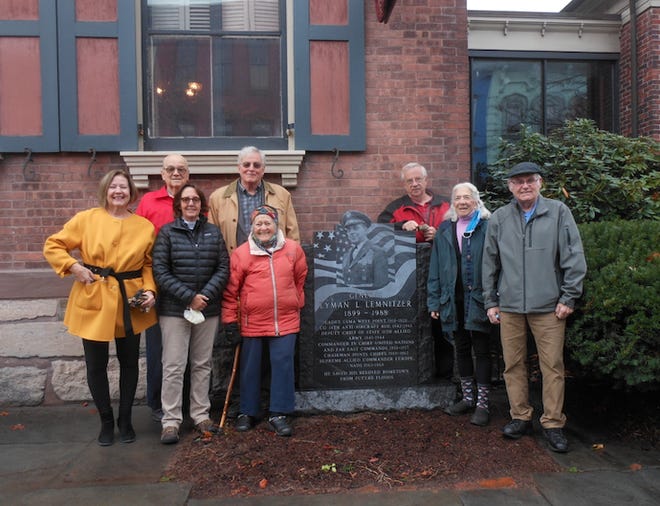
(615, 331)
(598, 174)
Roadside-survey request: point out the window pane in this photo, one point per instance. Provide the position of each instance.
(173, 15)
(181, 87)
(247, 87)
(505, 94)
(578, 90)
(250, 15)
(205, 15)
(214, 69)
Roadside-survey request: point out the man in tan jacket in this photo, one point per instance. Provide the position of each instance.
(230, 206)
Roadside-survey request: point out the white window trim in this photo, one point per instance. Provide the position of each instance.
(142, 164)
(538, 32)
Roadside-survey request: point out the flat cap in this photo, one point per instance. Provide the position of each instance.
(524, 168)
(352, 217)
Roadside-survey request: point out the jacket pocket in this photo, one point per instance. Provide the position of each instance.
(89, 296)
(477, 311)
(446, 308)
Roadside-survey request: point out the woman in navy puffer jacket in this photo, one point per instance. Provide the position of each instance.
(191, 267)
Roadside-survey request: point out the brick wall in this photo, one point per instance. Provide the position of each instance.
(417, 79)
(648, 76)
(417, 110)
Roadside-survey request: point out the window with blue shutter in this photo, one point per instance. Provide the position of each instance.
(68, 69)
(330, 112)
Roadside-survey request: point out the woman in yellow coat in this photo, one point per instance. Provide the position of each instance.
(112, 295)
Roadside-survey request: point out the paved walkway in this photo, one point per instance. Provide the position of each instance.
(49, 456)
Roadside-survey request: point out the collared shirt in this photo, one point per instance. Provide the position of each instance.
(246, 204)
(530, 213)
(424, 210)
(156, 206)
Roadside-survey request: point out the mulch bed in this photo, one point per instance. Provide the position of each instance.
(374, 451)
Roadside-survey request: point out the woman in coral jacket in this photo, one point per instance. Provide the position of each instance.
(115, 247)
(267, 276)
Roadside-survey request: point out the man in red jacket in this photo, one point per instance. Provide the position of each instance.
(420, 209)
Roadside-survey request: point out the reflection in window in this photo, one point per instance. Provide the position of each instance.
(214, 69)
(542, 94)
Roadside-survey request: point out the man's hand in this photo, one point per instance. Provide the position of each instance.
(410, 226)
(562, 311)
(232, 333)
(494, 315)
(429, 233)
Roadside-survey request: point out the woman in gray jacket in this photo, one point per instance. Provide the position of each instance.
(455, 296)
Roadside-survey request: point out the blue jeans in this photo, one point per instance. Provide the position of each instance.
(282, 382)
(154, 339)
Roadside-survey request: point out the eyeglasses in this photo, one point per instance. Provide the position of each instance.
(172, 170)
(528, 181)
(256, 165)
(415, 180)
(188, 200)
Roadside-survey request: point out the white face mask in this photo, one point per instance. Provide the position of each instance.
(193, 316)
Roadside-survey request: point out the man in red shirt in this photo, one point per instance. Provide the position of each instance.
(157, 207)
(422, 211)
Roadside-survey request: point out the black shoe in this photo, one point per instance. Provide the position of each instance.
(516, 429)
(279, 425)
(459, 408)
(126, 431)
(481, 417)
(244, 423)
(107, 434)
(157, 415)
(556, 440)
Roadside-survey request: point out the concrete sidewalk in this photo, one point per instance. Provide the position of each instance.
(49, 456)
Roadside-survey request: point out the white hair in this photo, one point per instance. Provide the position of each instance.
(412, 165)
(247, 150)
(451, 214)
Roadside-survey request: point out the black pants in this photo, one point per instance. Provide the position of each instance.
(467, 341)
(96, 359)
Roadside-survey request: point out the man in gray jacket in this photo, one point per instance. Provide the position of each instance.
(533, 267)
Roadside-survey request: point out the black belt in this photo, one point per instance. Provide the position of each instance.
(120, 277)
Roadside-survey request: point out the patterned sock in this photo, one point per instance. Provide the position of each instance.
(467, 387)
(482, 396)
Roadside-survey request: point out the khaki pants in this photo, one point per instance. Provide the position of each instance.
(548, 333)
(183, 341)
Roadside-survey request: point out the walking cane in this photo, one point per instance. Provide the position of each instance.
(230, 387)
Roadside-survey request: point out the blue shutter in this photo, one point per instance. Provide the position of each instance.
(304, 34)
(124, 30)
(45, 29)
